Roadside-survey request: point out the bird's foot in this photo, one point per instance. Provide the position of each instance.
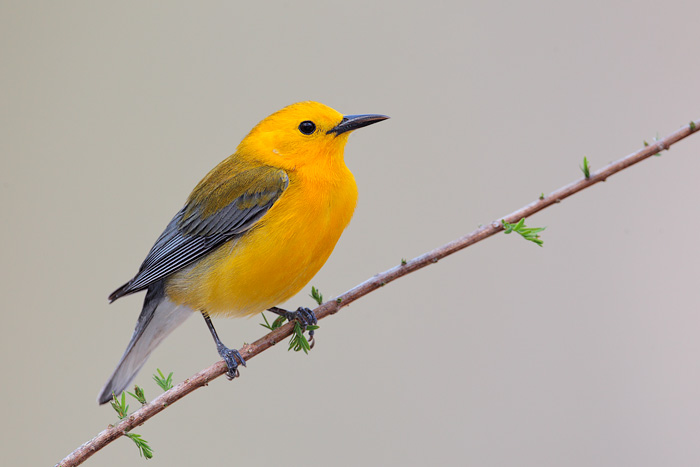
(304, 316)
(233, 358)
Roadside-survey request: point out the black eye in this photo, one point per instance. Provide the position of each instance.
(307, 127)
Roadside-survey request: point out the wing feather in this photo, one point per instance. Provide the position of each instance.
(211, 217)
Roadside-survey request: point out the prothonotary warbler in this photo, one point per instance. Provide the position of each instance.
(252, 234)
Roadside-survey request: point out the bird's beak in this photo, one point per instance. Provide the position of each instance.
(353, 122)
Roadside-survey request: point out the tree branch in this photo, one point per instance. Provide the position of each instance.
(249, 351)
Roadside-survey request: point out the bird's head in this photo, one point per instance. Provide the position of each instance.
(301, 134)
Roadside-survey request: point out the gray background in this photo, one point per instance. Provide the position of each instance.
(581, 353)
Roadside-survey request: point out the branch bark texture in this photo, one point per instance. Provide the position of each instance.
(249, 351)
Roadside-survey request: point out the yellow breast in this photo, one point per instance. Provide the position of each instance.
(279, 256)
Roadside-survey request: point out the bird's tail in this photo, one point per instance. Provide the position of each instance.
(158, 318)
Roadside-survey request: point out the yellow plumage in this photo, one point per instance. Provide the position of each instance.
(281, 254)
(253, 232)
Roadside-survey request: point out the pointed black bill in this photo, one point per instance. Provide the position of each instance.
(353, 122)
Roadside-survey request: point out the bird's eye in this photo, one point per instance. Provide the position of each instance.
(307, 127)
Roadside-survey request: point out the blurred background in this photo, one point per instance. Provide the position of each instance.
(580, 353)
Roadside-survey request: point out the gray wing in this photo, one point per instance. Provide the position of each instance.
(201, 226)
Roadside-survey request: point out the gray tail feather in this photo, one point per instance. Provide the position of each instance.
(158, 318)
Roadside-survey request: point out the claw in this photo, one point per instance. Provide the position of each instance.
(233, 358)
(304, 316)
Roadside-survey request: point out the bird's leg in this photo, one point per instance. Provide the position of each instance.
(231, 356)
(305, 316)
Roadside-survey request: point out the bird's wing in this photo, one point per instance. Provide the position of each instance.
(215, 213)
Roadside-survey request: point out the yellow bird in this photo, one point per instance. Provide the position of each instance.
(252, 234)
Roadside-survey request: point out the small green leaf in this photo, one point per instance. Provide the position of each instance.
(144, 449)
(692, 125)
(316, 295)
(120, 406)
(541, 195)
(298, 340)
(267, 324)
(585, 168)
(164, 383)
(528, 233)
(138, 394)
(279, 321)
(403, 262)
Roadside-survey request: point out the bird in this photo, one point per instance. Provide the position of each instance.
(253, 233)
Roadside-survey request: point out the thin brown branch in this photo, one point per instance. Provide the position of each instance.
(249, 351)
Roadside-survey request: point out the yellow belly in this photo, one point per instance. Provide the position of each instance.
(274, 260)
